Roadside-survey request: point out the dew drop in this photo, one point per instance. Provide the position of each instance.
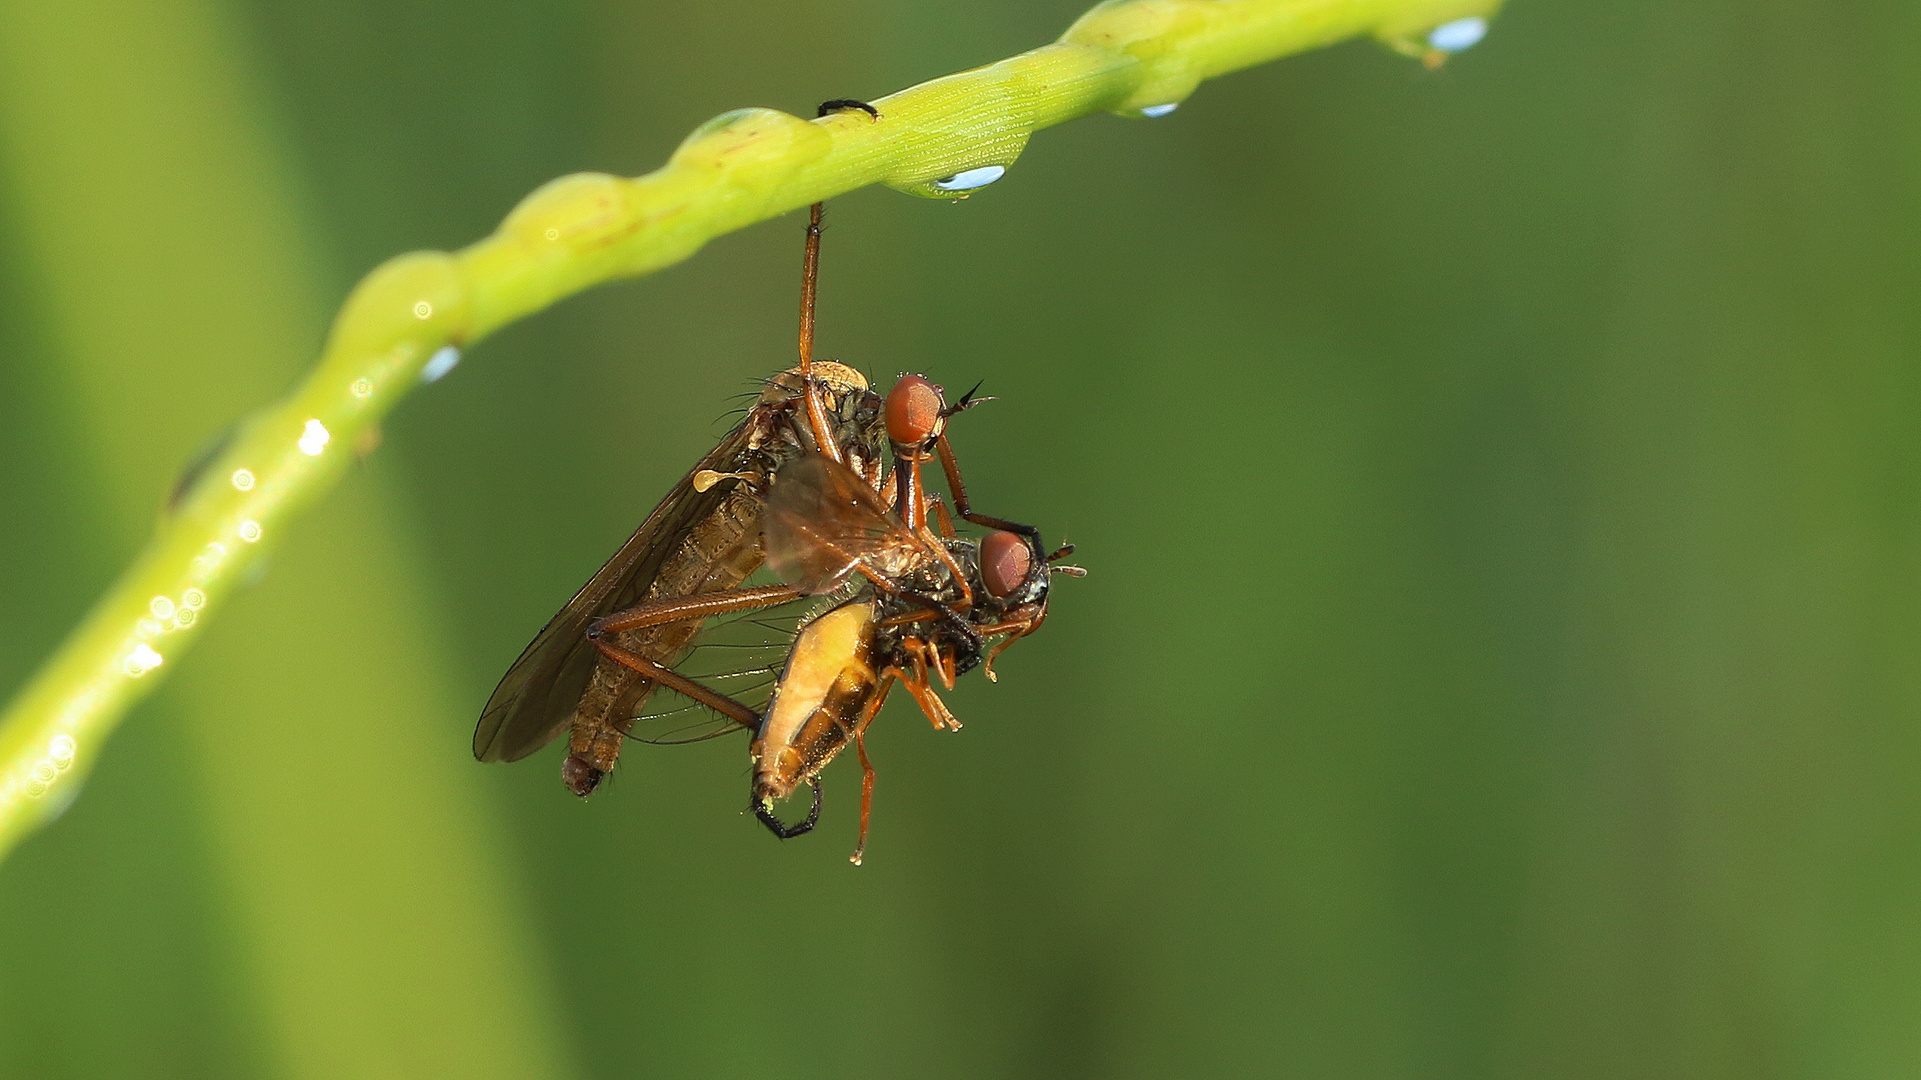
(45, 773)
(1155, 112)
(439, 364)
(161, 607)
(142, 660)
(1459, 35)
(250, 531)
(148, 628)
(243, 479)
(64, 796)
(209, 559)
(972, 178)
(193, 599)
(314, 438)
(61, 750)
(552, 233)
(184, 617)
(423, 310)
(362, 388)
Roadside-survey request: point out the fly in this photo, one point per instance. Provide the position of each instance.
(799, 484)
(704, 537)
(928, 604)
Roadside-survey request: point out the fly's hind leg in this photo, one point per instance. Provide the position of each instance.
(867, 767)
(866, 794)
(680, 609)
(586, 765)
(697, 606)
(680, 684)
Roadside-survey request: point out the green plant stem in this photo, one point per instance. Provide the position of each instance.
(582, 230)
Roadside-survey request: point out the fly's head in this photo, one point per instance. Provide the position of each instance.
(1014, 579)
(1013, 571)
(916, 414)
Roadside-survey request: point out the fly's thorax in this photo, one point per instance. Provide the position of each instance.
(836, 379)
(950, 631)
(941, 585)
(912, 569)
(853, 415)
(825, 692)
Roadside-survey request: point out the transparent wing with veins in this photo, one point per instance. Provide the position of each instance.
(738, 655)
(823, 522)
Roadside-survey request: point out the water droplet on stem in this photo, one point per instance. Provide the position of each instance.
(970, 179)
(1459, 35)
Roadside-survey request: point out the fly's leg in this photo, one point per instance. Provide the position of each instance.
(866, 794)
(924, 696)
(783, 830)
(680, 684)
(585, 766)
(946, 613)
(912, 503)
(816, 408)
(679, 609)
(927, 656)
(942, 518)
(1026, 620)
(867, 767)
(952, 468)
(971, 636)
(697, 606)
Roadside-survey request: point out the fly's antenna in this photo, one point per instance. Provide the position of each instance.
(966, 402)
(1071, 571)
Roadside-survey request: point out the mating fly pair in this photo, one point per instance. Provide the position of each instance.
(803, 484)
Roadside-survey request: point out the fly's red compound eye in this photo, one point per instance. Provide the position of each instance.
(1005, 563)
(913, 411)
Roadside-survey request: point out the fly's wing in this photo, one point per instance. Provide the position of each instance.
(739, 655)
(536, 698)
(822, 520)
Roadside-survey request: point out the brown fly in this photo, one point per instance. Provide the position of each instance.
(914, 606)
(925, 610)
(704, 537)
(799, 484)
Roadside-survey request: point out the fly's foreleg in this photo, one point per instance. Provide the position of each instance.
(951, 468)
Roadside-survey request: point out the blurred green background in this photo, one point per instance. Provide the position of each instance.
(1499, 487)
